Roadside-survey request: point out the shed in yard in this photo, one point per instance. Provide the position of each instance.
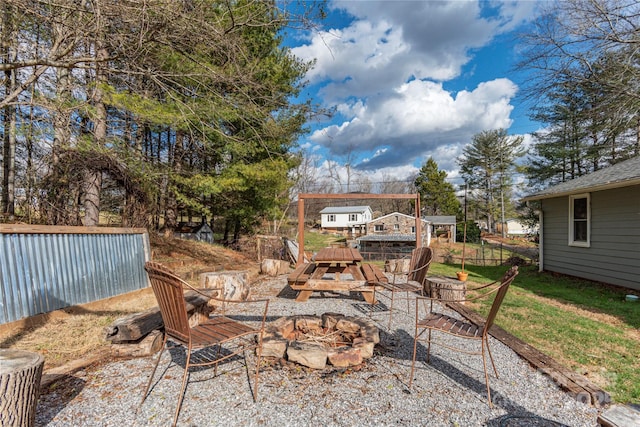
(590, 226)
(443, 226)
(191, 231)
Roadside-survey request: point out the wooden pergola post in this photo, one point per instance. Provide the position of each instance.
(303, 196)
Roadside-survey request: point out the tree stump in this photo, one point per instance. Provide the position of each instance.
(20, 374)
(398, 266)
(274, 267)
(234, 284)
(446, 288)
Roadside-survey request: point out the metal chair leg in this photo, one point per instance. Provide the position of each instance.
(146, 390)
(185, 380)
(258, 361)
(491, 358)
(413, 359)
(486, 375)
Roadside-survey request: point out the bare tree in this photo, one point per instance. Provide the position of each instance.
(587, 43)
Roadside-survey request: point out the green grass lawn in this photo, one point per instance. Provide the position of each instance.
(313, 242)
(585, 326)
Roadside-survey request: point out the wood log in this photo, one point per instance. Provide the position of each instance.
(20, 374)
(138, 325)
(619, 416)
(274, 267)
(150, 344)
(234, 284)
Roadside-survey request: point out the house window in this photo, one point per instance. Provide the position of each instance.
(331, 218)
(353, 217)
(396, 227)
(413, 229)
(579, 220)
(379, 227)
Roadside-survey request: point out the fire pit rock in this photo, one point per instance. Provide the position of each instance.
(314, 341)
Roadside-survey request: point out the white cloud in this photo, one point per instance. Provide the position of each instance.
(385, 74)
(420, 117)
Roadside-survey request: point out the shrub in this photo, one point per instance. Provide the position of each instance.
(473, 232)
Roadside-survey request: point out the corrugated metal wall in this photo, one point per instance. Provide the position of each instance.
(42, 270)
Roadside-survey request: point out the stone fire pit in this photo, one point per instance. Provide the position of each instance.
(314, 341)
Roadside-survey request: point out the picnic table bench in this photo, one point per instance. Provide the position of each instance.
(336, 269)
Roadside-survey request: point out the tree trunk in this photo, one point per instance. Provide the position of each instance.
(92, 178)
(20, 375)
(171, 211)
(9, 143)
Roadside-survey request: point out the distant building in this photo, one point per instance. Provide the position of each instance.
(443, 226)
(349, 220)
(392, 233)
(516, 228)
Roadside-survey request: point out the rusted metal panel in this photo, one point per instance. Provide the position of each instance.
(45, 269)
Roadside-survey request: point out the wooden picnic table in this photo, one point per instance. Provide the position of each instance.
(336, 269)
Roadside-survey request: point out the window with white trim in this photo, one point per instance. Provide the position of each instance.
(378, 227)
(396, 227)
(331, 218)
(353, 217)
(580, 220)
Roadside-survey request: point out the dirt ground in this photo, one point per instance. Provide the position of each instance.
(77, 333)
(67, 336)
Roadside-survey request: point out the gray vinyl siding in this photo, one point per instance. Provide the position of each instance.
(614, 254)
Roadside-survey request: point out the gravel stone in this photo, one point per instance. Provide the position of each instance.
(448, 392)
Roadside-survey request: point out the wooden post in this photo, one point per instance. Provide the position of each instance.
(300, 230)
(418, 222)
(20, 374)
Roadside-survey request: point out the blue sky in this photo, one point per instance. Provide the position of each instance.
(412, 79)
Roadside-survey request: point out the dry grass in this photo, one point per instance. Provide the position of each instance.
(78, 332)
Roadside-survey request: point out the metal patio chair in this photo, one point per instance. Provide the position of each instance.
(411, 281)
(463, 329)
(216, 332)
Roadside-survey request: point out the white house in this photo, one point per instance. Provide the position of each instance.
(517, 228)
(350, 219)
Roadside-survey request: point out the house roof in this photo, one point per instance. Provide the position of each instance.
(344, 209)
(190, 227)
(395, 213)
(388, 238)
(621, 174)
(441, 219)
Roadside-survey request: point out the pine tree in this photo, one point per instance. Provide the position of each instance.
(437, 196)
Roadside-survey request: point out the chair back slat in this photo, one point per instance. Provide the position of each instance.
(505, 282)
(419, 265)
(168, 290)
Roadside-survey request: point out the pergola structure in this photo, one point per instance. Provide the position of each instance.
(303, 196)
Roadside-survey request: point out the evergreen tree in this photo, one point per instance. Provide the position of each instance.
(487, 165)
(437, 196)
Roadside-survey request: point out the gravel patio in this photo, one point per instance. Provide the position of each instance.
(448, 392)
